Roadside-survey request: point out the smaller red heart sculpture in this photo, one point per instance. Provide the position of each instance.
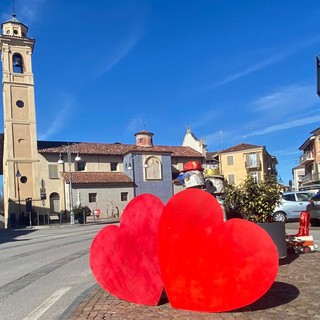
(124, 260)
(208, 264)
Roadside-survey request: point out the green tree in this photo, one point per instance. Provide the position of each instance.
(251, 200)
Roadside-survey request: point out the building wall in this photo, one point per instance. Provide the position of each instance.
(239, 170)
(317, 153)
(108, 197)
(298, 173)
(101, 163)
(191, 141)
(56, 185)
(161, 185)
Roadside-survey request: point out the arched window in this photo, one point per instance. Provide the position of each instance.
(153, 169)
(54, 203)
(17, 63)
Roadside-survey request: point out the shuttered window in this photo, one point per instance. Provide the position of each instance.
(231, 179)
(53, 171)
(230, 160)
(252, 160)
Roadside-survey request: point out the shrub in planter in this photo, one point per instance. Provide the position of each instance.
(255, 201)
(251, 200)
(79, 211)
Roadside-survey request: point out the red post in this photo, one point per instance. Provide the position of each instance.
(304, 224)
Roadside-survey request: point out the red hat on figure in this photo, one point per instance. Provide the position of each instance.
(192, 165)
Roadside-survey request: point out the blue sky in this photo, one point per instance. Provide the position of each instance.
(234, 71)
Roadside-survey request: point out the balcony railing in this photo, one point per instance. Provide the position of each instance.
(310, 177)
(253, 165)
(307, 156)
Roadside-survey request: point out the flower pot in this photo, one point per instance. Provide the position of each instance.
(277, 232)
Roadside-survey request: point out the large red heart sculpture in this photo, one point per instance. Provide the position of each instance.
(124, 260)
(208, 264)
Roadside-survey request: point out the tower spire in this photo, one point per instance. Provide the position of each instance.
(13, 9)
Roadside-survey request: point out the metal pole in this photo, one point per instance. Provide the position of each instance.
(18, 176)
(70, 187)
(30, 212)
(133, 175)
(19, 200)
(43, 212)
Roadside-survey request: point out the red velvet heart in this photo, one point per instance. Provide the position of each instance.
(124, 260)
(208, 264)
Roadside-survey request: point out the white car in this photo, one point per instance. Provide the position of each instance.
(291, 205)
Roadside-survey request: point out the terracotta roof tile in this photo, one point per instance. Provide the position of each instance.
(113, 149)
(83, 147)
(240, 147)
(96, 177)
(180, 151)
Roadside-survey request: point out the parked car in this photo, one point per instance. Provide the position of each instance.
(314, 208)
(291, 205)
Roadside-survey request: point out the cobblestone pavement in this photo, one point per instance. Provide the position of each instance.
(295, 294)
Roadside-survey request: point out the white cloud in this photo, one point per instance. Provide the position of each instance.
(287, 125)
(123, 49)
(62, 117)
(220, 139)
(267, 62)
(224, 138)
(287, 99)
(135, 124)
(256, 67)
(28, 10)
(287, 152)
(204, 117)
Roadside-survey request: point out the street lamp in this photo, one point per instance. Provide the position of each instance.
(269, 171)
(60, 161)
(130, 166)
(18, 176)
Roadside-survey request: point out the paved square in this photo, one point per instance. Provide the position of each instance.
(294, 295)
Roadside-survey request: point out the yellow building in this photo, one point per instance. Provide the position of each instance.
(238, 162)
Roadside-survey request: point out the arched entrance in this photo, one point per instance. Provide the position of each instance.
(55, 212)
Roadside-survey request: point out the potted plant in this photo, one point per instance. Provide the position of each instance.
(80, 213)
(251, 200)
(255, 202)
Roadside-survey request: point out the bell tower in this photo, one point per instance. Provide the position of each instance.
(20, 155)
